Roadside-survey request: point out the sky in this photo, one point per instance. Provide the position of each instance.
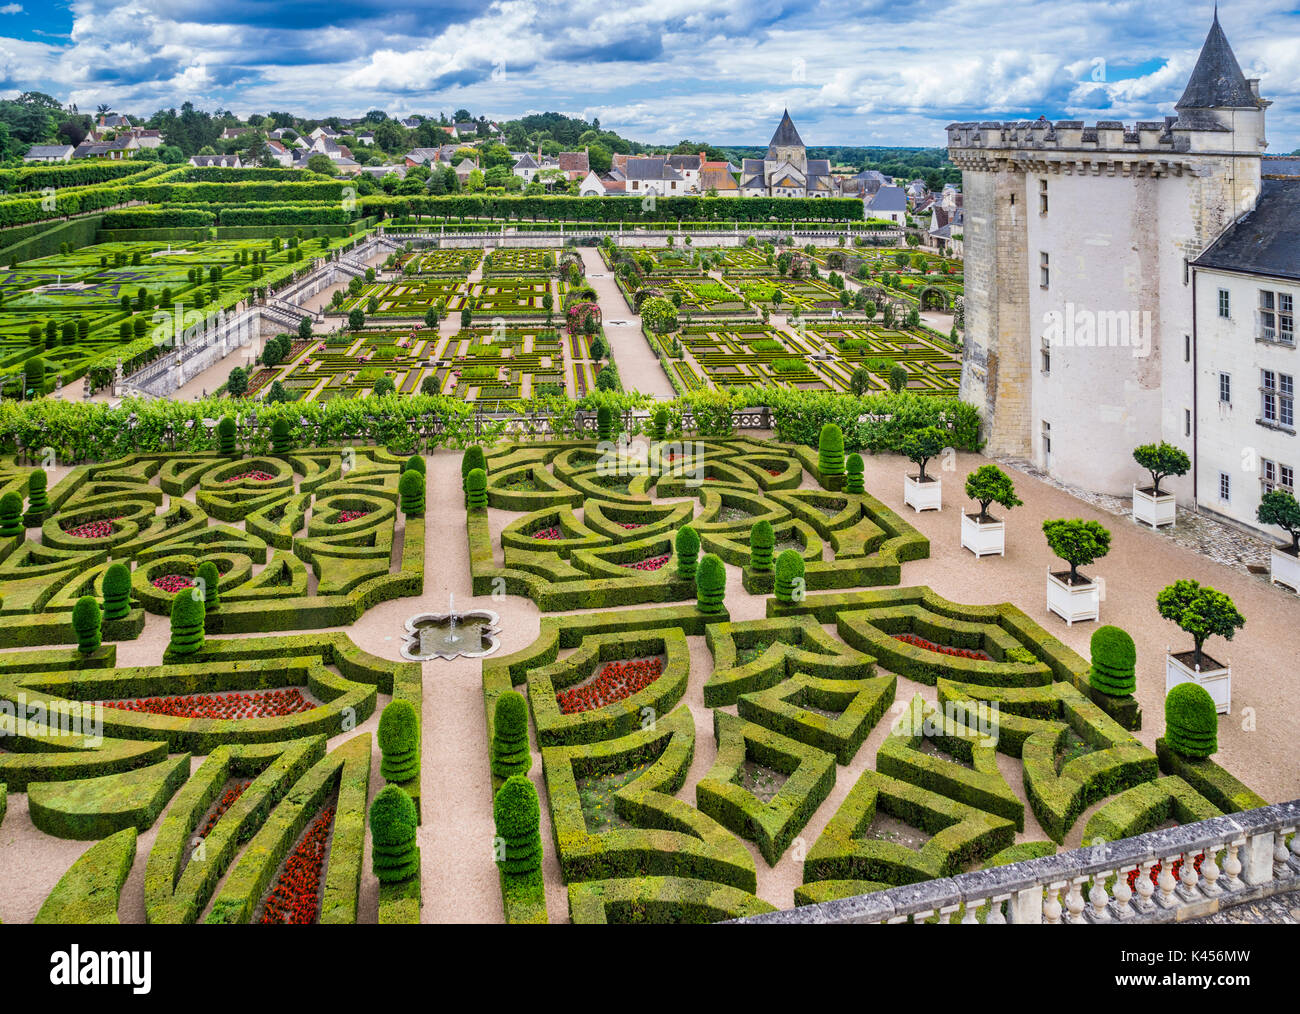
(851, 73)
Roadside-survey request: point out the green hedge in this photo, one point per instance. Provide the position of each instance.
(91, 808)
(88, 893)
(659, 900)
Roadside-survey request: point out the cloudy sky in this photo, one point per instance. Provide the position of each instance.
(860, 73)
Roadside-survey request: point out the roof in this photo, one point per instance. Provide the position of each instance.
(526, 162)
(688, 162)
(1217, 81)
(888, 199)
(574, 161)
(49, 151)
(1264, 241)
(717, 179)
(650, 167)
(785, 135)
(423, 154)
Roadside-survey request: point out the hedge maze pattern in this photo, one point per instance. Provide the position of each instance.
(583, 532)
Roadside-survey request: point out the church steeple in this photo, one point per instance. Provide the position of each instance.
(785, 137)
(1217, 81)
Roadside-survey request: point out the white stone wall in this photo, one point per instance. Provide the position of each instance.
(1230, 438)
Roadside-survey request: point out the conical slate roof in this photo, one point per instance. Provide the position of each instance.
(1217, 81)
(785, 135)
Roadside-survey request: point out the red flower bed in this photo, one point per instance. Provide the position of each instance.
(173, 582)
(617, 681)
(258, 704)
(345, 516)
(943, 649)
(773, 471)
(1155, 871)
(631, 524)
(295, 896)
(549, 534)
(92, 529)
(259, 381)
(650, 563)
(256, 476)
(226, 801)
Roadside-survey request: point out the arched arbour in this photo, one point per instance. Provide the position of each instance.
(925, 297)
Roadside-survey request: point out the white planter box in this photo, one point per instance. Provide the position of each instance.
(987, 538)
(1285, 569)
(1073, 602)
(1217, 681)
(1156, 511)
(923, 496)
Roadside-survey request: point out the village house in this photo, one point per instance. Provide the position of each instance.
(887, 204)
(49, 153)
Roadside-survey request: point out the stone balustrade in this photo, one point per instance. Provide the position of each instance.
(1243, 857)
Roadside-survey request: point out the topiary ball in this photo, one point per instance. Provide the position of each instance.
(187, 622)
(399, 741)
(394, 855)
(1114, 662)
(416, 463)
(11, 515)
(86, 622)
(1191, 722)
(517, 815)
(687, 545)
(854, 468)
(761, 541)
(117, 591)
(789, 577)
(38, 503)
(510, 753)
(477, 487)
(710, 584)
(410, 488)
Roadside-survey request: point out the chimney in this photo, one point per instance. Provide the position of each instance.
(1253, 82)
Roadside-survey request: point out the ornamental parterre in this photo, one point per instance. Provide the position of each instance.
(295, 897)
(615, 682)
(259, 704)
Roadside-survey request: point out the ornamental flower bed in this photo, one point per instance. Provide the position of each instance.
(254, 476)
(649, 563)
(615, 682)
(943, 649)
(547, 534)
(256, 704)
(173, 582)
(345, 516)
(227, 800)
(92, 529)
(631, 524)
(259, 381)
(295, 897)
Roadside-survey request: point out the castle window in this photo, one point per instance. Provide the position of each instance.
(1187, 422)
(1042, 197)
(1225, 389)
(1044, 271)
(1224, 305)
(1277, 398)
(1187, 348)
(1047, 438)
(1276, 317)
(1047, 356)
(1225, 487)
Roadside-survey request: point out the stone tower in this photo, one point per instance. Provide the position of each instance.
(1078, 296)
(787, 146)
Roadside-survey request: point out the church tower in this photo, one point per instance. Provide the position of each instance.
(787, 146)
(1078, 292)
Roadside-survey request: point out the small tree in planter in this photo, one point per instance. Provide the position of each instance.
(1152, 505)
(1071, 595)
(830, 456)
(86, 622)
(761, 542)
(1114, 662)
(1191, 722)
(510, 754)
(922, 491)
(687, 545)
(789, 585)
(710, 584)
(982, 533)
(1202, 612)
(1279, 508)
(854, 469)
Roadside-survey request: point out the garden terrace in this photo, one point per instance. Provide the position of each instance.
(409, 298)
(521, 261)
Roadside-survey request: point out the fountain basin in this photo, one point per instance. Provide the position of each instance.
(471, 634)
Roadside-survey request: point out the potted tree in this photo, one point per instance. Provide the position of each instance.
(1281, 509)
(1151, 505)
(1202, 612)
(982, 533)
(1071, 595)
(923, 492)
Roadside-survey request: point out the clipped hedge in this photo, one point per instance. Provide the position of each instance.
(88, 893)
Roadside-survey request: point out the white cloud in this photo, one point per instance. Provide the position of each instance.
(11, 9)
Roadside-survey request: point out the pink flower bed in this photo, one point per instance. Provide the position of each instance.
(173, 582)
(548, 534)
(630, 524)
(92, 529)
(650, 563)
(345, 516)
(255, 476)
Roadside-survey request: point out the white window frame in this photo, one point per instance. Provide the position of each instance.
(1225, 388)
(1225, 304)
(1225, 487)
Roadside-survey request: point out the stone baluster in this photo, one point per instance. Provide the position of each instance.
(1098, 899)
(1281, 867)
(1145, 887)
(1187, 877)
(946, 913)
(1232, 865)
(1052, 906)
(995, 915)
(1295, 849)
(1074, 900)
(1167, 882)
(1123, 894)
(1210, 885)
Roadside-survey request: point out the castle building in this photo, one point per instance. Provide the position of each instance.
(1082, 278)
(787, 171)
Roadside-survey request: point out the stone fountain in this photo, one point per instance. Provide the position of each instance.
(471, 634)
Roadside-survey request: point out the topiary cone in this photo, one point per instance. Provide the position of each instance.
(687, 546)
(117, 592)
(187, 622)
(1191, 722)
(830, 456)
(510, 752)
(86, 621)
(281, 436)
(761, 542)
(208, 579)
(1114, 662)
(473, 458)
(11, 515)
(394, 855)
(476, 484)
(604, 423)
(226, 435)
(789, 576)
(853, 482)
(517, 815)
(660, 424)
(399, 741)
(415, 463)
(710, 584)
(410, 488)
(38, 503)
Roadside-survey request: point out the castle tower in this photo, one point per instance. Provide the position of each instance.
(787, 146)
(1078, 295)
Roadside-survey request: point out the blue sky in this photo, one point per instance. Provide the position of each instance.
(866, 72)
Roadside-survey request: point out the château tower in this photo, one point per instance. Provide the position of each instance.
(1078, 292)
